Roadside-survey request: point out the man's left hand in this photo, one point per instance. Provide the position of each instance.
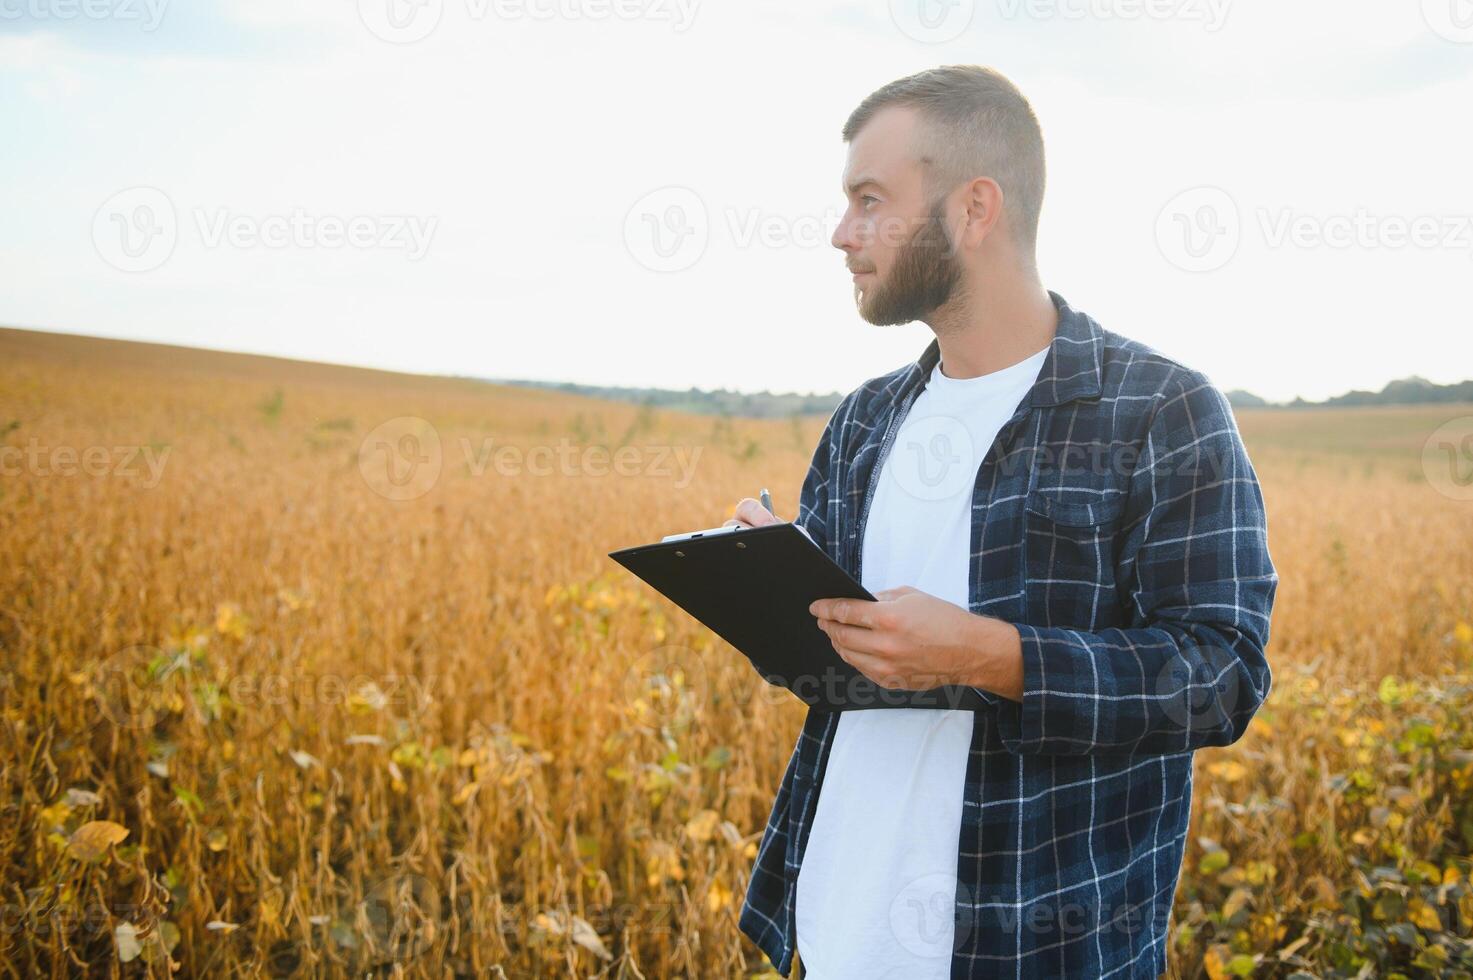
(910, 640)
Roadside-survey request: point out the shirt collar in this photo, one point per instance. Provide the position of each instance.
(1070, 371)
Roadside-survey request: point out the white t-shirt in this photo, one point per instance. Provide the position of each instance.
(877, 886)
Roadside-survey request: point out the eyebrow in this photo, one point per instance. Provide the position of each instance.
(854, 185)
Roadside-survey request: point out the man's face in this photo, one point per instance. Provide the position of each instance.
(896, 245)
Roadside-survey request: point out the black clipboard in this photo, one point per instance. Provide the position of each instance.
(752, 587)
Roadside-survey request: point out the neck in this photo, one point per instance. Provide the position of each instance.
(984, 330)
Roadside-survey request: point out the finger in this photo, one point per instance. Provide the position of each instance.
(855, 638)
(856, 612)
(752, 513)
(874, 668)
(737, 520)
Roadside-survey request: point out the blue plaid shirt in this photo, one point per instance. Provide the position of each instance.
(1118, 524)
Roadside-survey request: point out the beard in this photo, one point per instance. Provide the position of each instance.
(924, 276)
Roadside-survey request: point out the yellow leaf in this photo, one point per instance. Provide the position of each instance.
(1236, 899)
(1424, 916)
(91, 840)
(718, 897)
(229, 621)
(702, 826)
(292, 600)
(269, 908)
(55, 816)
(216, 840)
(662, 863)
(366, 699)
(1214, 962)
(1229, 770)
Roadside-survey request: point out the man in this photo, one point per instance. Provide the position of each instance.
(1057, 517)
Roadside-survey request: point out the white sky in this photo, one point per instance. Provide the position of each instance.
(523, 139)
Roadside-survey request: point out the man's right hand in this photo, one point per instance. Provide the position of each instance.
(750, 513)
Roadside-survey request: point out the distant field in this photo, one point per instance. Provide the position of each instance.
(1394, 434)
(311, 669)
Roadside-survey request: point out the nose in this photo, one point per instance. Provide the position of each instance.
(845, 237)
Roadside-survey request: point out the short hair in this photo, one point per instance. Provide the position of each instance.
(975, 123)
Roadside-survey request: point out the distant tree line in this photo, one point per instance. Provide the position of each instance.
(767, 404)
(762, 404)
(1406, 391)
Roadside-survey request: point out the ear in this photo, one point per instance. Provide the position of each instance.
(982, 204)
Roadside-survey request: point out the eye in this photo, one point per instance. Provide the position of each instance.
(869, 197)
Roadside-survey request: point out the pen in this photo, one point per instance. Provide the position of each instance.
(766, 499)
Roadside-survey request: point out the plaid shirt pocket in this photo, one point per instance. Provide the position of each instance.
(1071, 555)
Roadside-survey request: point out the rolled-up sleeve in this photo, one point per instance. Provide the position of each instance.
(1190, 670)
